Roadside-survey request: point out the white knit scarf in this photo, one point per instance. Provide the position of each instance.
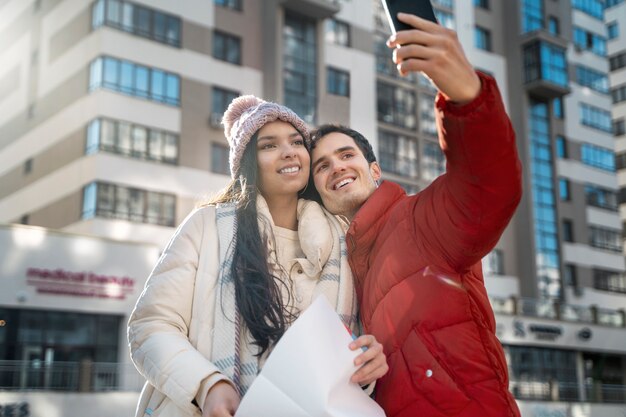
(233, 351)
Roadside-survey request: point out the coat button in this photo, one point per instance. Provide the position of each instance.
(429, 373)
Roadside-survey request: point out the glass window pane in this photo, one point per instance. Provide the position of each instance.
(122, 202)
(169, 210)
(97, 16)
(108, 134)
(137, 204)
(95, 74)
(141, 81)
(173, 89)
(124, 140)
(89, 201)
(170, 151)
(106, 199)
(126, 79)
(93, 137)
(111, 72)
(153, 214)
(157, 82)
(159, 27)
(173, 31)
(139, 142)
(114, 9)
(127, 17)
(142, 21)
(156, 145)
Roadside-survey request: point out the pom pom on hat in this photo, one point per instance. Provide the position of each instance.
(245, 116)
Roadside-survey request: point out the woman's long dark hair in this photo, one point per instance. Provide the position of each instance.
(257, 291)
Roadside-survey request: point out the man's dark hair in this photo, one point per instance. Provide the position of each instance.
(359, 139)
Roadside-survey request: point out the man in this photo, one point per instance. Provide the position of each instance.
(416, 260)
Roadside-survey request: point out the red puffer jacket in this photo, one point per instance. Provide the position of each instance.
(416, 262)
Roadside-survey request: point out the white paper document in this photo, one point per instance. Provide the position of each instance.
(308, 372)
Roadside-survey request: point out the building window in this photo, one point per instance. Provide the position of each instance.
(483, 4)
(557, 108)
(396, 105)
(598, 157)
(620, 161)
(595, 118)
(337, 82)
(545, 61)
(135, 80)
(619, 127)
(618, 94)
(482, 38)
(604, 238)
(561, 147)
(220, 159)
(532, 15)
(445, 19)
(220, 100)
(544, 205)
(571, 276)
(398, 153)
(427, 120)
(533, 369)
(138, 20)
(449, 4)
(300, 66)
(568, 230)
(119, 202)
(553, 26)
(564, 191)
(609, 280)
(611, 3)
(433, 161)
(621, 199)
(612, 30)
(46, 347)
(132, 140)
(227, 47)
(617, 61)
(601, 197)
(593, 79)
(589, 41)
(229, 4)
(337, 32)
(493, 263)
(594, 8)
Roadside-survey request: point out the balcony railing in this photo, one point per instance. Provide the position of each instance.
(555, 310)
(568, 391)
(83, 376)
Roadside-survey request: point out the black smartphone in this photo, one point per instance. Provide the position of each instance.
(421, 8)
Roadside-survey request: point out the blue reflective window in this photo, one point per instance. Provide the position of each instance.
(553, 64)
(594, 8)
(445, 19)
(561, 147)
(593, 79)
(557, 107)
(89, 200)
(532, 15)
(97, 15)
(596, 118)
(590, 41)
(598, 157)
(612, 30)
(135, 80)
(553, 25)
(564, 194)
(93, 137)
(482, 38)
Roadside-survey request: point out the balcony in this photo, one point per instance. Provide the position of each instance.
(545, 69)
(555, 310)
(317, 9)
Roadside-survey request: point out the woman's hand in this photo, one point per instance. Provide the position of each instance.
(221, 401)
(373, 360)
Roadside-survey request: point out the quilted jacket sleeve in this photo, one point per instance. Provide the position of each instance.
(159, 324)
(463, 213)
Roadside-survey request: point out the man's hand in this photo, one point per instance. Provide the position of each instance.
(437, 52)
(221, 401)
(373, 360)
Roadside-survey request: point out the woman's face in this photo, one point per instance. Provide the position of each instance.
(284, 161)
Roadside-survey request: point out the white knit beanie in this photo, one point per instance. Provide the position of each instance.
(245, 116)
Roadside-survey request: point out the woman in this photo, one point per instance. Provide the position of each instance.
(238, 271)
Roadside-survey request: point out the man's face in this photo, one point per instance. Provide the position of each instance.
(342, 175)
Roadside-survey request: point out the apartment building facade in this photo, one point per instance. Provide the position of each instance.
(110, 127)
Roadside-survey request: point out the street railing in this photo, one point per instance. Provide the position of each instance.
(554, 390)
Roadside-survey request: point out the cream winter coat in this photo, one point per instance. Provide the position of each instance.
(171, 328)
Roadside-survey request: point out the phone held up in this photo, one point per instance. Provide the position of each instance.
(421, 8)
